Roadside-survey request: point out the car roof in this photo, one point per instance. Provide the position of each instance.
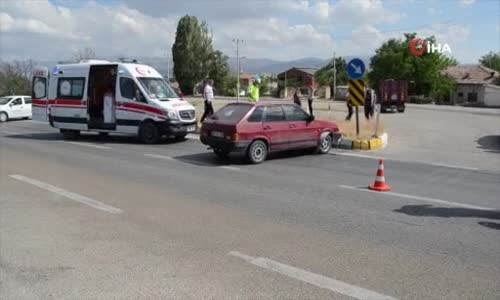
(264, 103)
(12, 96)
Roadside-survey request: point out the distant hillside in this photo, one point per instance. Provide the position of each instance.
(248, 65)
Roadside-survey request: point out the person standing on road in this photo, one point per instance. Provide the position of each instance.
(208, 95)
(254, 90)
(369, 103)
(310, 100)
(296, 97)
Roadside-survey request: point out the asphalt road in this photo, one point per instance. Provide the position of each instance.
(113, 219)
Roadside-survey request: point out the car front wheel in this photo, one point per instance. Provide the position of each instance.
(325, 143)
(257, 152)
(3, 117)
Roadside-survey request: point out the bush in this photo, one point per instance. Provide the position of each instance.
(420, 100)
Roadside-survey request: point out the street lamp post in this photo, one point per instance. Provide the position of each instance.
(238, 41)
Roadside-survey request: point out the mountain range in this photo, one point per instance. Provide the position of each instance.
(247, 65)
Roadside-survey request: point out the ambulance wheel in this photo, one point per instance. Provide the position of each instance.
(3, 117)
(401, 110)
(148, 133)
(70, 135)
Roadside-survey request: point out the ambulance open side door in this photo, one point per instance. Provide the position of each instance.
(39, 94)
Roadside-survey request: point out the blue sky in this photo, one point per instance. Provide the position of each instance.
(278, 29)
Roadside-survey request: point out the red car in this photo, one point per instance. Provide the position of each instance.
(259, 129)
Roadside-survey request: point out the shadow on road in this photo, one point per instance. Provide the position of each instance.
(490, 143)
(94, 138)
(490, 225)
(447, 212)
(209, 159)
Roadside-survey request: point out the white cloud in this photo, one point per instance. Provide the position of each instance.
(279, 29)
(42, 30)
(275, 38)
(467, 2)
(362, 12)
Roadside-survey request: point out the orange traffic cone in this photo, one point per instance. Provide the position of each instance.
(380, 184)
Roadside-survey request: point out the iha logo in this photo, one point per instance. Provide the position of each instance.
(419, 46)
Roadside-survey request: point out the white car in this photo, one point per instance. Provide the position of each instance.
(15, 107)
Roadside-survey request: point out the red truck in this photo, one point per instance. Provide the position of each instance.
(393, 95)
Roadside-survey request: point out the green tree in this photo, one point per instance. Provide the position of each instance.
(218, 70)
(191, 52)
(491, 60)
(194, 57)
(393, 60)
(15, 77)
(324, 76)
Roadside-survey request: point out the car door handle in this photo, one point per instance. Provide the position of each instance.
(292, 126)
(267, 128)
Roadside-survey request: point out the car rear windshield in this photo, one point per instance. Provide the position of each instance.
(232, 113)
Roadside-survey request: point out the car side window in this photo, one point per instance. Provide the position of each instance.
(18, 101)
(295, 113)
(130, 90)
(27, 100)
(274, 113)
(257, 114)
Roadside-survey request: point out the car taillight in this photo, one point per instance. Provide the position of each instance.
(234, 137)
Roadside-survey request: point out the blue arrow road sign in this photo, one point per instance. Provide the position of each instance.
(356, 68)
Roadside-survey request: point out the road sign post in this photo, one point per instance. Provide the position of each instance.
(357, 97)
(356, 70)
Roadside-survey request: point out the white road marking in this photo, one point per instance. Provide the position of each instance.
(158, 156)
(455, 167)
(164, 157)
(406, 161)
(357, 155)
(11, 132)
(70, 195)
(426, 199)
(312, 278)
(88, 145)
(230, 168)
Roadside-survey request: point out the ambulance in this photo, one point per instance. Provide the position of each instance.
(110, 97)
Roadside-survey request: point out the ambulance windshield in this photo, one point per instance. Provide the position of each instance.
(157, 88)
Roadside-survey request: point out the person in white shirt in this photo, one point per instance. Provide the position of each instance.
(208, 95)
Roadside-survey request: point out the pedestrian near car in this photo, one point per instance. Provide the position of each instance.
(208, 95)
(296, 98)
(254, 90)
(369, 103)
(310, 100)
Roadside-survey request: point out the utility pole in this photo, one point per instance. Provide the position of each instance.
(238, 41)
(168, 66)
(334, 77)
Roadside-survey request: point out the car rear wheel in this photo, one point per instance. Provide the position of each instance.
(325, 143)
(148, 133)
(221, 153)
(257, 152)
(3, 117)
(180, 137)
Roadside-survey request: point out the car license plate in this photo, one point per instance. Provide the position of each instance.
(217, 134)
(191, 128)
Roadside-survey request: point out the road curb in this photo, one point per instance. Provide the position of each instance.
(375, 143)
